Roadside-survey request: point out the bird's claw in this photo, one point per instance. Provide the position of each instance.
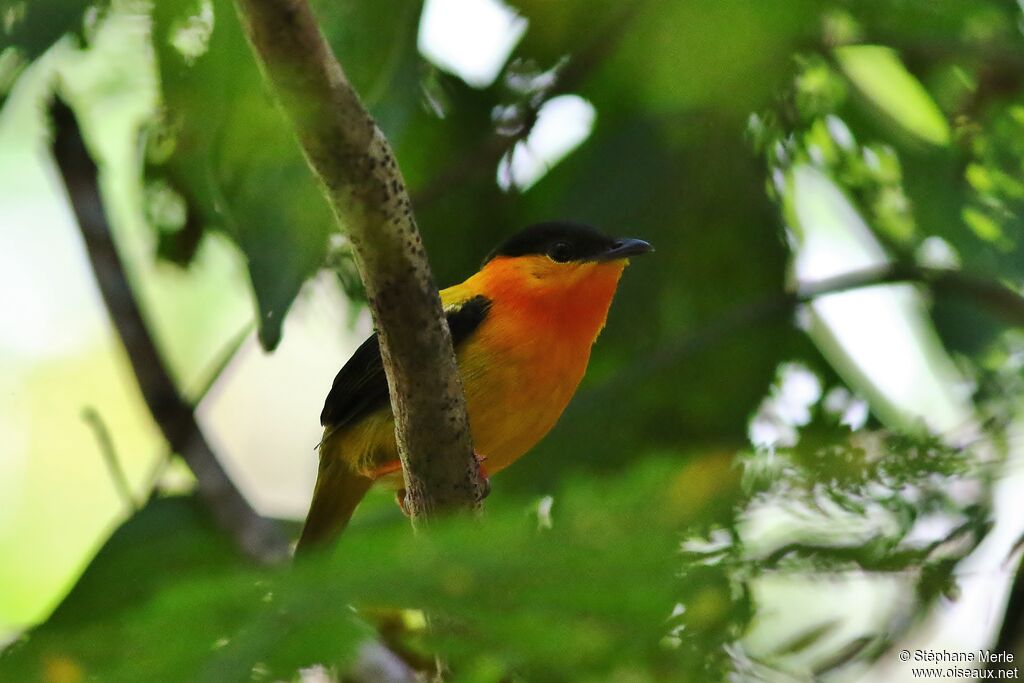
(484, 481)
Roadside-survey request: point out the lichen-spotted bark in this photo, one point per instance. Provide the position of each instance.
(357, 168)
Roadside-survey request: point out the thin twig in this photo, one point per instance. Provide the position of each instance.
(357, 169)
(110, 458)
(258, 537)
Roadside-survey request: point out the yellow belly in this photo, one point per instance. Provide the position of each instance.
(516, 389)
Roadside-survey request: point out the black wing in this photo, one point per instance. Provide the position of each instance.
(361, 386)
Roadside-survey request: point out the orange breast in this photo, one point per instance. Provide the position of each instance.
(518, 381)
(530, 353)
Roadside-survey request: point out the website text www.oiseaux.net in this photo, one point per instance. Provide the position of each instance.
(969, 665)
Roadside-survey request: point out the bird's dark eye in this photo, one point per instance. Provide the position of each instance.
(560, 252)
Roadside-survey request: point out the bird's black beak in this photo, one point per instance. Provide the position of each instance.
(626, 247)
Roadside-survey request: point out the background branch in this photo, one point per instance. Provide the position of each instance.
(997, 298)
(355, 164)
(258, 537)
(110, 458)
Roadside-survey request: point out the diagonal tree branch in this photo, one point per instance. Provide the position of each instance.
(357, 169)
(258, 537)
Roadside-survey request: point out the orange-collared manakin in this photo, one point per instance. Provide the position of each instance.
(522, 328)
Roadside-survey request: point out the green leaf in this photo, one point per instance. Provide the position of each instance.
(807, 638)
(880, 75)
(983, 225)
(232, 154)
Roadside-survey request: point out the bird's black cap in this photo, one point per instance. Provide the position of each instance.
(564, 241)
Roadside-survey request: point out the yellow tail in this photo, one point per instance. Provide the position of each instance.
(337, 493)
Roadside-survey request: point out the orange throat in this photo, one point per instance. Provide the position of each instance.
(573, 299)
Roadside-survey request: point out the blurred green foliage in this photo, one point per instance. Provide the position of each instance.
(653, 567)
(580, 587)
(31, 30)
(188, 609)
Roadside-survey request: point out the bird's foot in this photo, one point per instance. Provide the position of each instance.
(485, 480)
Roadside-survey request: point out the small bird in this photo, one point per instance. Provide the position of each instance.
(522, 328)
